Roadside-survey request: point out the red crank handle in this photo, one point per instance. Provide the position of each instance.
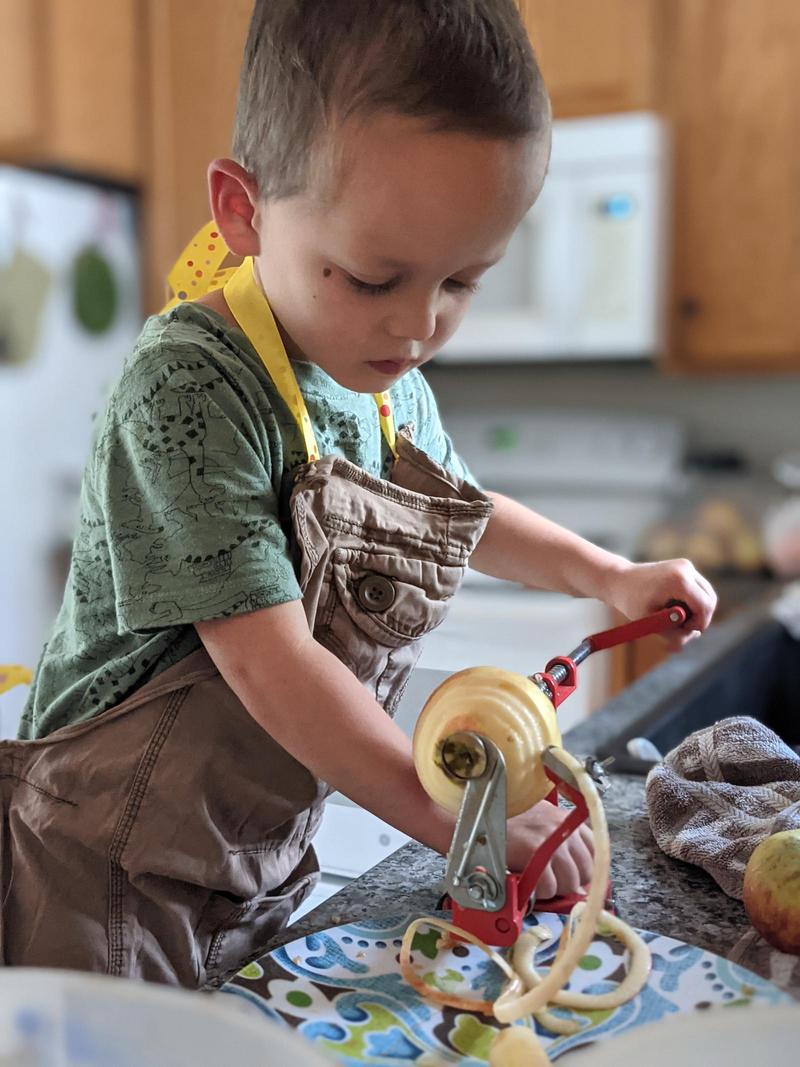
(559, 676)
(672, 617)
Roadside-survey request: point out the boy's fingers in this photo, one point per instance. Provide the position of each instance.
(546, 886)
(583, 860)
(587, 837)
(566, 871)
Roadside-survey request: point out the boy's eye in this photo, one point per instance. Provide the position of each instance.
(462, 287)
(379, 288)
(371, 288)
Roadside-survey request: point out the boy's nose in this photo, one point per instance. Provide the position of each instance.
(414, 322)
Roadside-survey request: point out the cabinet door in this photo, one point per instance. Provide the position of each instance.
(735, 99)
(94, 76)
(20, 99)
(629, 662)
(196, 52)
(597, 56)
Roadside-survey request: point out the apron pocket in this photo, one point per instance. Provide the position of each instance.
(396, 600)
(378, 609)
(238, 931)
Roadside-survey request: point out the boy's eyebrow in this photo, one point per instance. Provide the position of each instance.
(400, 267)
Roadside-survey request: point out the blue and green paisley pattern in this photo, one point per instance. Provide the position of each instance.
(342, 989)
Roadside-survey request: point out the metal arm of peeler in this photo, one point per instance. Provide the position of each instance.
(559, 679)
(486, 899)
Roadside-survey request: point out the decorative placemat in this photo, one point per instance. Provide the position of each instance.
(342, 989)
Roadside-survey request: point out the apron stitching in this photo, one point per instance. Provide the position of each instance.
(398, 696)
(212, 958)
(326, 611)
(183, 681)
(219, 980)
(38, 788)
(396, 630)
(446, 555)
(117, 876)
(296, 836)
(301, 532)
(408, 497)
(261, 850)
(141, 696)
(389, 666)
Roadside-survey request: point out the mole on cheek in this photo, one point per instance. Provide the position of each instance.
(326, 273)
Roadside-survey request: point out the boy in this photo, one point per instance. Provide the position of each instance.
(240, 612)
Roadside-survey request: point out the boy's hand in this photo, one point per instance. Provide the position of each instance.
(639, 589)
(570, 869)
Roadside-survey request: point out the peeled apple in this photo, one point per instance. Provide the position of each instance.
(517, 1046)
(510, 710)
(772, 890)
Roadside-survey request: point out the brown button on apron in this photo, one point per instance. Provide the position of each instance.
(169, 838)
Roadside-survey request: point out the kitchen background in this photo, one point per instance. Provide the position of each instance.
(632, 369)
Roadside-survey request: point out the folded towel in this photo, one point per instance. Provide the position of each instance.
(722, 791)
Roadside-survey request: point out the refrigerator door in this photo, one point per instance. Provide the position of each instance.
(69, 315)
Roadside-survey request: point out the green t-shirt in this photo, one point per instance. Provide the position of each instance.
(184, 505)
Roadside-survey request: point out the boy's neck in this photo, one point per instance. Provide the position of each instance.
(217, 302)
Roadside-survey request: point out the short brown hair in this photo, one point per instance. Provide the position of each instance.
(464, 65)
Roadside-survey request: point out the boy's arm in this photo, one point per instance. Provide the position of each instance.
(316, 709)
(521, 546)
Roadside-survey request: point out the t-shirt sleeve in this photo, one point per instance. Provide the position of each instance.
(432, 437)
(190, 505)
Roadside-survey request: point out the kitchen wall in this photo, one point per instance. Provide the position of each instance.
(757, 416)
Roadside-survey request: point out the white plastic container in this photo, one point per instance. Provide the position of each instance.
(52, 1018)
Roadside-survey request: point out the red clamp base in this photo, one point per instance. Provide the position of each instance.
(503, 927)
(495, 927)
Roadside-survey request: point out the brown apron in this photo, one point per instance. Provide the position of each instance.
(169, 838)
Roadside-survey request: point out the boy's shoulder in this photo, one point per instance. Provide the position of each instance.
(187, 347)
(189, 331)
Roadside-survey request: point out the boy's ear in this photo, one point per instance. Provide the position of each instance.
(234, 199)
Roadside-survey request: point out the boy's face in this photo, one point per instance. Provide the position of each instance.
(370, 277)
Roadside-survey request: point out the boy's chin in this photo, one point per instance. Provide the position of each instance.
(365, 379)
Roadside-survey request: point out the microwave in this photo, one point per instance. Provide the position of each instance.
(585, 273)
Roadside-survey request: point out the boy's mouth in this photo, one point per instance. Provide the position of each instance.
(389, 367)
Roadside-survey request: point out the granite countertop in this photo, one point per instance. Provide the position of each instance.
(651, 890)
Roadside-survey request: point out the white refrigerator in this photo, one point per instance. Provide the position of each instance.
(69, 315)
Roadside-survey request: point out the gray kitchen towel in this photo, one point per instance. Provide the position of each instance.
(722, 791)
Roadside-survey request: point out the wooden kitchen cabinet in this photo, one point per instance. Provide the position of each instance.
(20, 96)
(195, 50)
(631, 661)
(598, 56)
(72, 83)
(734, 102)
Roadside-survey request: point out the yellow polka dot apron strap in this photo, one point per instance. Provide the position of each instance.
(12, 674)
(251, 310)
(199, 270)
(384, 402)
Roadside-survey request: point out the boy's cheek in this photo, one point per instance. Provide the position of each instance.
(447, 325)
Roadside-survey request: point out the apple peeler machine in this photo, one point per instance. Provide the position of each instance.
(485, 748)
